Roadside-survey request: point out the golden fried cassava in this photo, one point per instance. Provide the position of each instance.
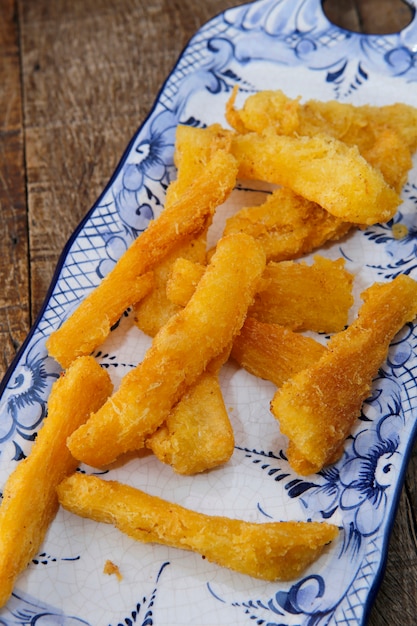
(90, 323)
(336, 167)
(386, 136)
(317, 408)
(29, 498)
(183, 280)
(194, 148)
(302, 296)
(270, 551)
(274, 352)
(321, 169)
(155, 309)
(197, 434)
(179, 354)
(287, 225)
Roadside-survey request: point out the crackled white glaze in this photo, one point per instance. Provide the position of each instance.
(282, 44)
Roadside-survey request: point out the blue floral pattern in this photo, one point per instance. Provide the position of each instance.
(289, 45)
(24, 403)
(149, 162)
(23, 609)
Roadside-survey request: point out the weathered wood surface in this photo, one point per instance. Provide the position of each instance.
(76, 79)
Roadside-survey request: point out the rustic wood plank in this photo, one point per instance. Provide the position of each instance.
(54, 157)
(91, 75)
(396, 599)
(91, 71)
(343, 13)
(14, 293)
(369, 16)
(384, 16)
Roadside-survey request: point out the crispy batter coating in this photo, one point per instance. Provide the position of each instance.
(287, 225)
(194, 148)
(183, 280)
(321, 169)
(197, 435)
(29, 498)
(155, 309)
(268, 350)
(386, 136)
(391, 155)
(301, 296)
(89, 325)
(179, 354)
(338, 167)
(274, 352)
(111, 569)
(269, 551)
(263, 110)
(317, 408)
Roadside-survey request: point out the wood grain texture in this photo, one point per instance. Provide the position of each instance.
(14, 268)
(369, 16)
(90, 76)
(77, 77)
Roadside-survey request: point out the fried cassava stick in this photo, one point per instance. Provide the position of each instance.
(287, 225)
(315, 296)
(317, 408)
(29, 498)
(354, 191)
(197, 435)
(90, 323)
(274, 352)
(386, 136)
(270, 551)
(179, 354)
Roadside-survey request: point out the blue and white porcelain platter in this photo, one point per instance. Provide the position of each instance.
(268, 44)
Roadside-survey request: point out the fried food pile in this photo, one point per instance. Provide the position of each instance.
(334, 168)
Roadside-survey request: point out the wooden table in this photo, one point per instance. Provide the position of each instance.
(76, 80)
